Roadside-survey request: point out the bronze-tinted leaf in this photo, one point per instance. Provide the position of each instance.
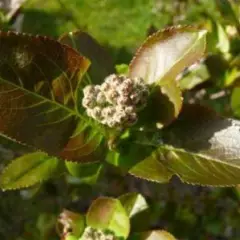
(160, 59)
(84, 145)
(101, 62)
(166, 53)
(38, 82)
(108, 214)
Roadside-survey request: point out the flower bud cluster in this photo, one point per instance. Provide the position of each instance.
(115, 102)
(94, 234)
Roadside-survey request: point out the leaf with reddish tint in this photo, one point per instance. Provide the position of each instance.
(38, 82)
(160, 59)
(28, 170)
(101, 62)
(85, 144)
(109, 214)
(166, 53)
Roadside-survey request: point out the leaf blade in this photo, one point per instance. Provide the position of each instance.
(108, 213)
(38, 87)
(203, 148)
(28, 170)
(101, 62)
(155, 63)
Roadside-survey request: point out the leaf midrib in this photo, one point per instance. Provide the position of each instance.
(43, 98)
(26, 171)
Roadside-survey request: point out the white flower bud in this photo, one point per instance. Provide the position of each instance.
(108, 112)
(88, 102)
(111, 123)
(130, 109)
(97, 113)
(105, 87)
(101, 99)
(112, 96)
(89, 89)
(116, 101)
(139, 81)
(123, 100)
(126, 87)
(135, 97)
(97, 89)
(89, 112)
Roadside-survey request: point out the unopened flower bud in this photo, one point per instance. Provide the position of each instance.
(89, 89)
(97, 113)
(116, 101)
(101, 99)
(108, 112)
(88, 102)
(112, 96)
(123, 100)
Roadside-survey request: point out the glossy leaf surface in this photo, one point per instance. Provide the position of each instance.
(166, 53)
(38, 82)
(101, 62)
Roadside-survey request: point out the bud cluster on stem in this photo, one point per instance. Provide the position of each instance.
(116, 101)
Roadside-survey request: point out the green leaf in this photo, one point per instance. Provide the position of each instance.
(122, 69)
(137, 210)
(231, 77)
(87, 172)
(108, 214)
(101, 62)
(153, 235)
(223, 43)
(71, 237)
(235, 101)
(133, 203)
(166, 53)
(128, 153)
(195, 77)
(228, 10)
(205, 148)
(151, 169)
(38, 82)
(28, 170)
